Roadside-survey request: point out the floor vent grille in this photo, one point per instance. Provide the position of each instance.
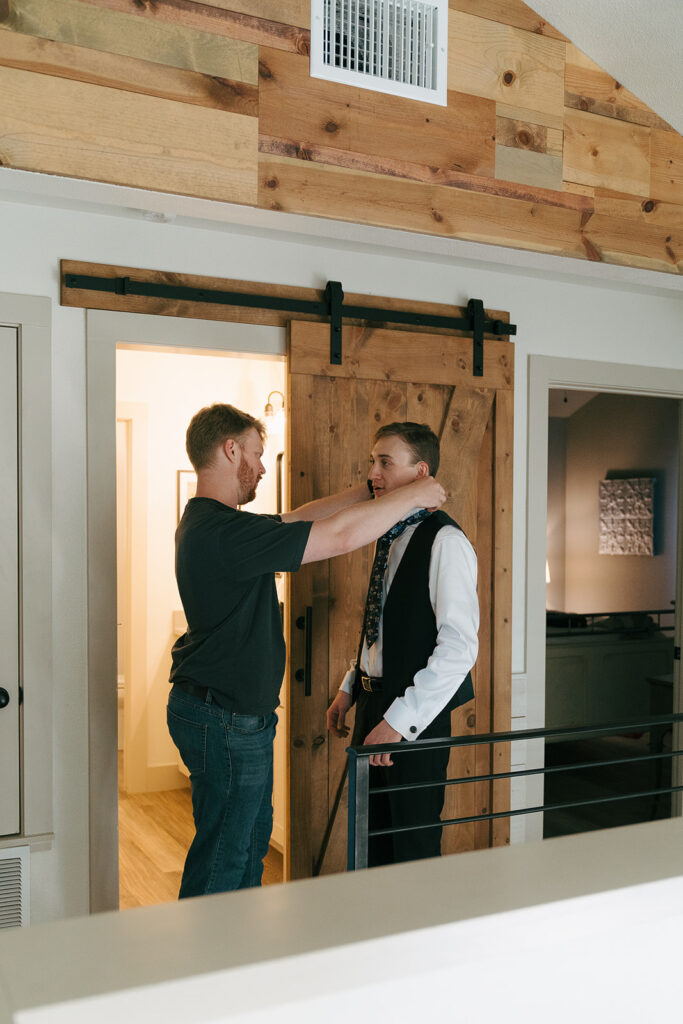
(394, 46)
(14, 887)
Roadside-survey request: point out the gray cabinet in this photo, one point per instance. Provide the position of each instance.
(593, 678)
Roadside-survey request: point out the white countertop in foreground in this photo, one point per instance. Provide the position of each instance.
(70, 961)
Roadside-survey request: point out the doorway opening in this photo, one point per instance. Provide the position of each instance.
(611, 585)
(157, 393)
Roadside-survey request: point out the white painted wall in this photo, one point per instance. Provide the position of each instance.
(590, 318)
(620, 433)
(642, 52)
(173, 387)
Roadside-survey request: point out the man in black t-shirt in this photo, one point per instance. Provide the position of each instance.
(227, 668)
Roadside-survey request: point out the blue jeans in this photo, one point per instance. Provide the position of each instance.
(230, 761)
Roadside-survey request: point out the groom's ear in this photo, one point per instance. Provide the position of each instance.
(422, 470)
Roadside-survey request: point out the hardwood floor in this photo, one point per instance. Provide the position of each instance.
(155, 831)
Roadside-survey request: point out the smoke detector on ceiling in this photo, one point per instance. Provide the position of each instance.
(393, 46)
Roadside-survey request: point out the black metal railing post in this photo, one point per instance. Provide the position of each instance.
(351, 813)
(359, 802)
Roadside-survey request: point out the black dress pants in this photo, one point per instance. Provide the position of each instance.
(409, 807)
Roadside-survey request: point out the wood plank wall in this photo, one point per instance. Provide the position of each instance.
(538, 148)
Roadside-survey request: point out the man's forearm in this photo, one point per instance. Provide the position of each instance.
(352, 528)
(324, 507)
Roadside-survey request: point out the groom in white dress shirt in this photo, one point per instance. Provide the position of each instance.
(418, 644)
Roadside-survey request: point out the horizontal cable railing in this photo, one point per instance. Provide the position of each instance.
(360, 790)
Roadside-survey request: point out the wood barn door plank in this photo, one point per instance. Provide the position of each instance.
(388, 376)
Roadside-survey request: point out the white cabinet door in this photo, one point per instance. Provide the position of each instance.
(9, 587)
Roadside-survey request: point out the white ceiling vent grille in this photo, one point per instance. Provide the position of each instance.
(14, 886)
(395, 46)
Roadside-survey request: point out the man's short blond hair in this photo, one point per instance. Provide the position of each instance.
(213, 426)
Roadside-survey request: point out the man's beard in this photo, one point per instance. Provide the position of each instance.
(248, 481)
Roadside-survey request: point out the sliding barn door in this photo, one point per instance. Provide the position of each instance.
(334, 412)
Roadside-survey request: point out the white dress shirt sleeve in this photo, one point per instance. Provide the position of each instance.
(453, 593)
(347, 681)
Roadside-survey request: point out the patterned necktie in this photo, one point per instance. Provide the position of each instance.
(373, 601)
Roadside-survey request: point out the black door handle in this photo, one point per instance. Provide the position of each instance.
(304, 674)
(4, 698)
(309, 652)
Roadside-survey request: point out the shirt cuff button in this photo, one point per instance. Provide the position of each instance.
(413, 728)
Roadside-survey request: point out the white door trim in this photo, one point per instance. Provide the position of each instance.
(134, 415)
(547, 372)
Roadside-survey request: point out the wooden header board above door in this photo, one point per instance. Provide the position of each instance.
(334, 412)
(118, 301)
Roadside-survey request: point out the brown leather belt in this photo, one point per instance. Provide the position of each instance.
(371, 684)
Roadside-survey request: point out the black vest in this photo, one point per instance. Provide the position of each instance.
(408, 621)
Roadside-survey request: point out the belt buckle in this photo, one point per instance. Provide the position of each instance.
(366, 682)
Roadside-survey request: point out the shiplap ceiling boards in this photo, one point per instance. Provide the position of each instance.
(394, 46)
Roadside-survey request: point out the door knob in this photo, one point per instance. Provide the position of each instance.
(4, 698)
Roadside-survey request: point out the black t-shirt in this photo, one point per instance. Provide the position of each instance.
(225, 565)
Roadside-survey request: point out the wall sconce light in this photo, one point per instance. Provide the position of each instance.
(269, 410)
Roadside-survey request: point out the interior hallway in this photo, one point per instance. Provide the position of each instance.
(155, 831)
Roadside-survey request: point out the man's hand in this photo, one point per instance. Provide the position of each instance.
(428, 493)
(381, 734)
(336, 715)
